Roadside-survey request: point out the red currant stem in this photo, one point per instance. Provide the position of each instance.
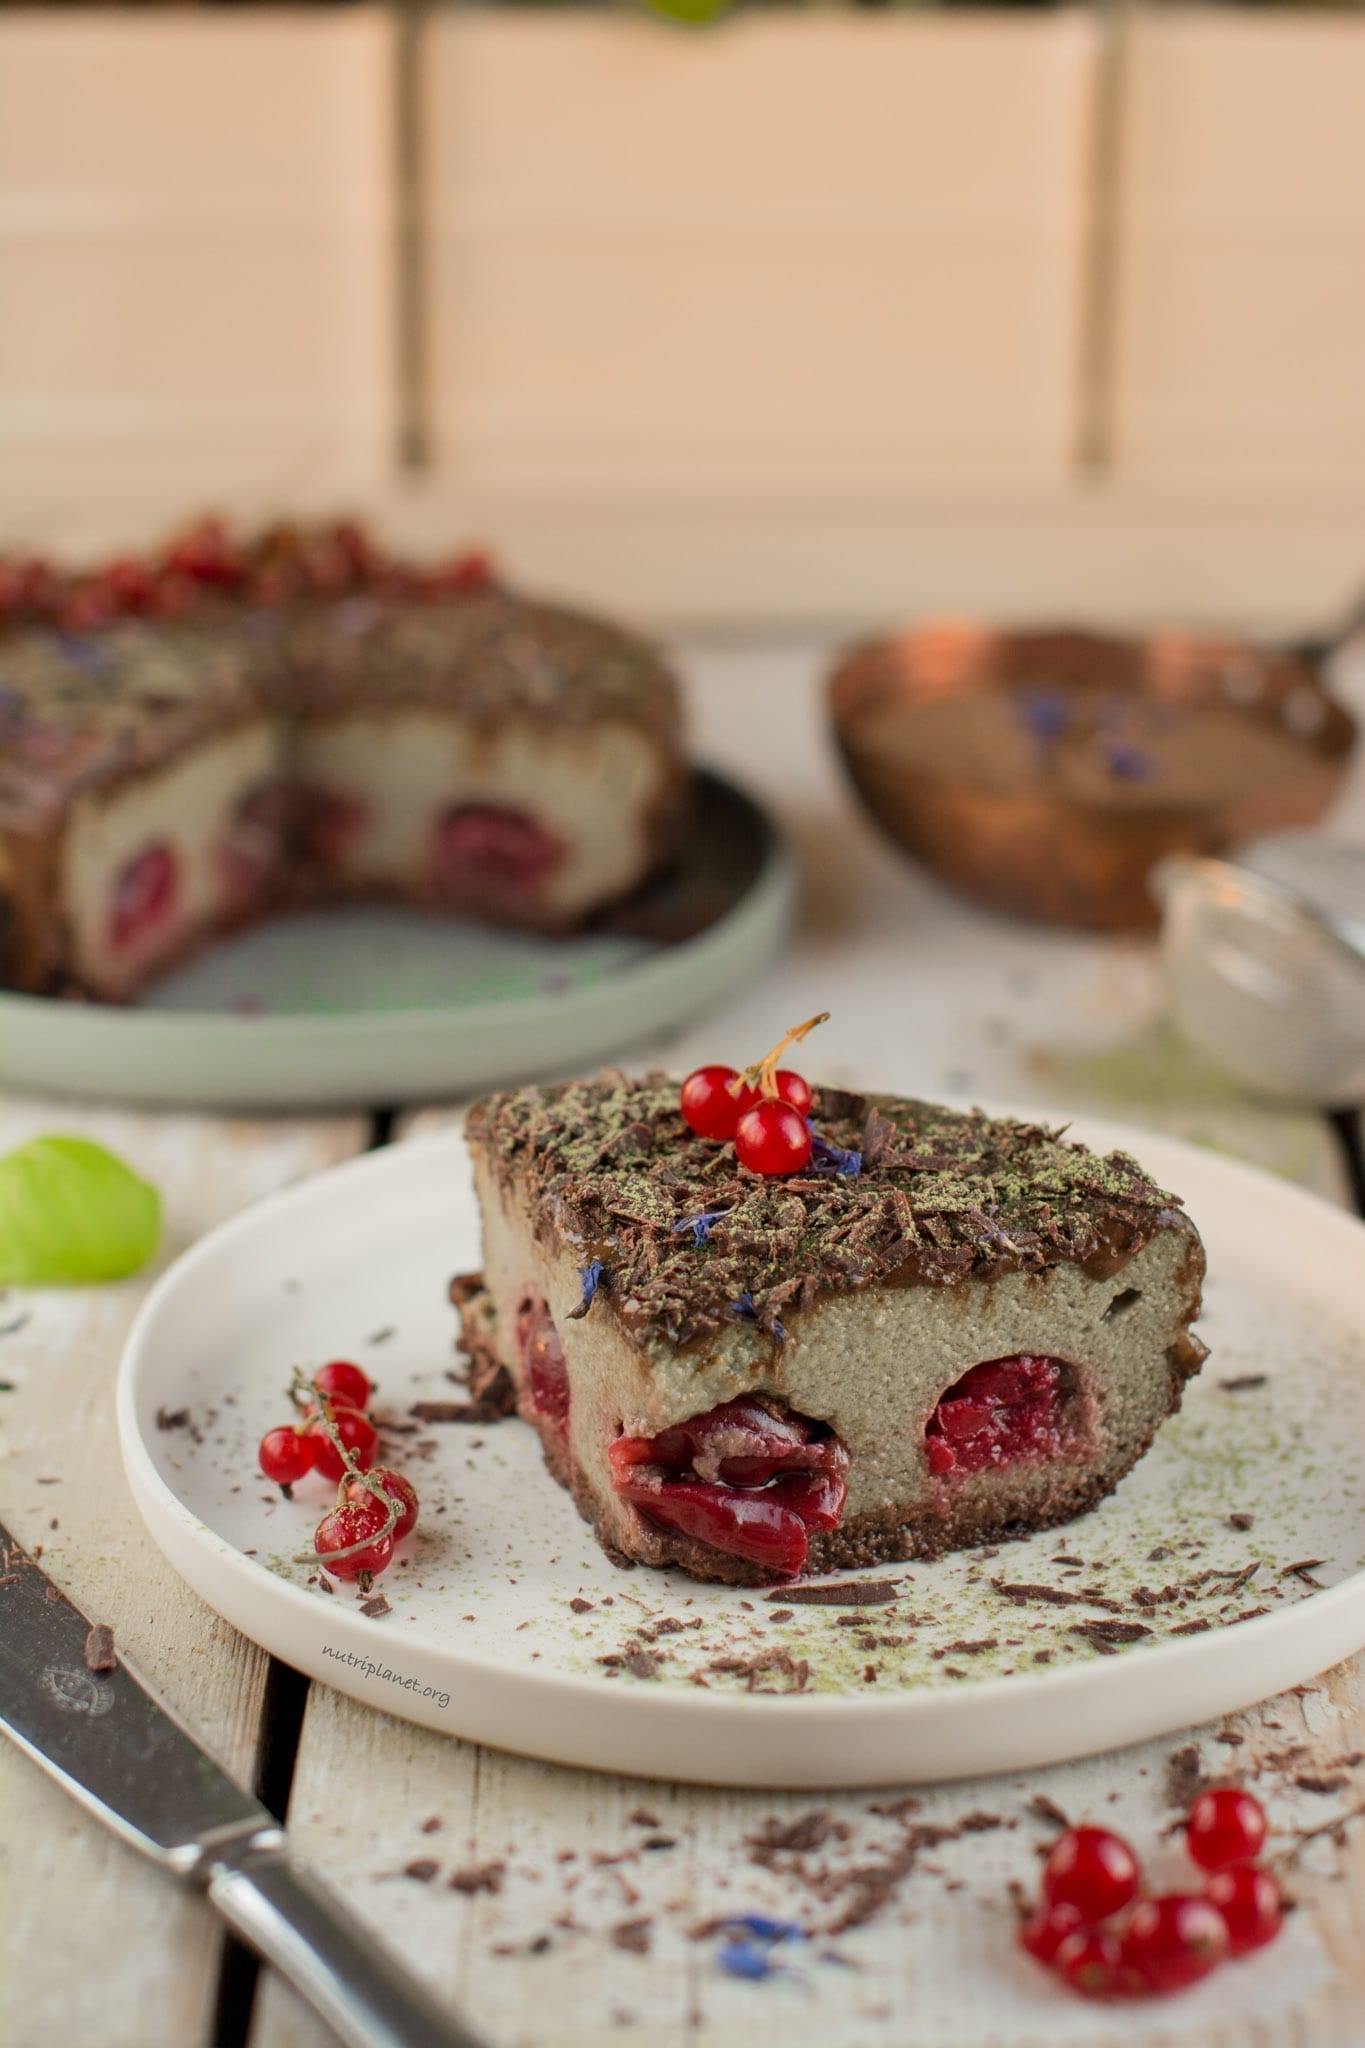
(763, 1076)
(302, 1391)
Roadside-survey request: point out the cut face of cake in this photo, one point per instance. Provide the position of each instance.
(478, 754)
(968, 1328)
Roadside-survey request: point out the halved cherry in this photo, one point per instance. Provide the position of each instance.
(545, 1371)
(144, 896)
(754, 1526)
(494, 847)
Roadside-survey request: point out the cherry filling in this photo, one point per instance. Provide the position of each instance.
(144, 897)
(248, 854)
(748, 1478)
(544, 1372)
(328, 823)
(1006, 1412)
(481, 847)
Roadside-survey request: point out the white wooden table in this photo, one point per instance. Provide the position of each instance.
(579, 1923)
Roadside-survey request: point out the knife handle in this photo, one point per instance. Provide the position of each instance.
(329, 1957)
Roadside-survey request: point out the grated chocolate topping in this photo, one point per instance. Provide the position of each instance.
(690, 1240)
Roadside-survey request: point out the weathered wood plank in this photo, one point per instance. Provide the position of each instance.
(101, 1946)
(587, 1931)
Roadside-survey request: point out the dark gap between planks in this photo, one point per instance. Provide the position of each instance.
(282, 1711)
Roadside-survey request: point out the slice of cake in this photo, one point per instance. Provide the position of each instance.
(939, 1330)
(465, 751)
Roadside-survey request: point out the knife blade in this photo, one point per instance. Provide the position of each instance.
(116, 1748)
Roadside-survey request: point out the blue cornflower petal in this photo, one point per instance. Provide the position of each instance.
(747, 1959)
(1045, 713)
(831, 1159)
(1128, 763)
(763, 1929)
(700, 1226)
(593, 1277)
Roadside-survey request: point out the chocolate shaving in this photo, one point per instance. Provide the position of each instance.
(580, 1605)
(452, 1411)
(634, 1936)
(478, 1877)
(1243, 1382)
(857, 1593)
(1107, 1635)
(421, 1870)
(375, 1606)
(99, 1648)
(1045, 1809)
(1049, 1596)
(1308, 1781)
(810, 1831)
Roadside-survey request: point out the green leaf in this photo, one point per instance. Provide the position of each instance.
(70, 1212)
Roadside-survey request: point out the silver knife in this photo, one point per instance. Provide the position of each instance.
(105, 1737)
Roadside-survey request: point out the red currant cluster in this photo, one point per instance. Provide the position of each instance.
(207, 562)
(1163, 1942)
(765, 1110)
(375, 1508)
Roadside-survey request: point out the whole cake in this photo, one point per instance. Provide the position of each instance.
(921, 1329)
(285, 739)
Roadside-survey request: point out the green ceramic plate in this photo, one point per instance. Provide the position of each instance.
(385, 1006)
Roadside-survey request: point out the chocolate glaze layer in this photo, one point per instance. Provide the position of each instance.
(609, 1168)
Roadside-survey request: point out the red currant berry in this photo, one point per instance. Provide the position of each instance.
(1046, 1928)
(128, 583)
(1173, 1941)
(344, 1384)
(1251, 1904)
(707, 1105)
(286, 1455)
(1091, 1962)
(358, 1434)
(351, 1524)
(792, 1088)
(401, 1492)
(772, 1138)
(1225, 1827)
(1092, 1870)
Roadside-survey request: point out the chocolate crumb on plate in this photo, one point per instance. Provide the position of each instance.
(1241, 1520)
(1243, 1382)
(1043, 1808)
(634, 1936)
(421, 1870)
(99, 1648)
(478, 1877)
(580, 1605)
(375, 1606)
(1309, 1781)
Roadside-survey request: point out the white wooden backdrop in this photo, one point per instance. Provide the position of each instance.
(554, 1948)
(826, 313)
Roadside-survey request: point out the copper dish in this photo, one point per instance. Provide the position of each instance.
(1017, 827)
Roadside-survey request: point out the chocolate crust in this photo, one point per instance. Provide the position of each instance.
(690, 1241)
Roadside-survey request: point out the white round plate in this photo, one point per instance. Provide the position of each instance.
(380, 1006)
(508, 1625)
